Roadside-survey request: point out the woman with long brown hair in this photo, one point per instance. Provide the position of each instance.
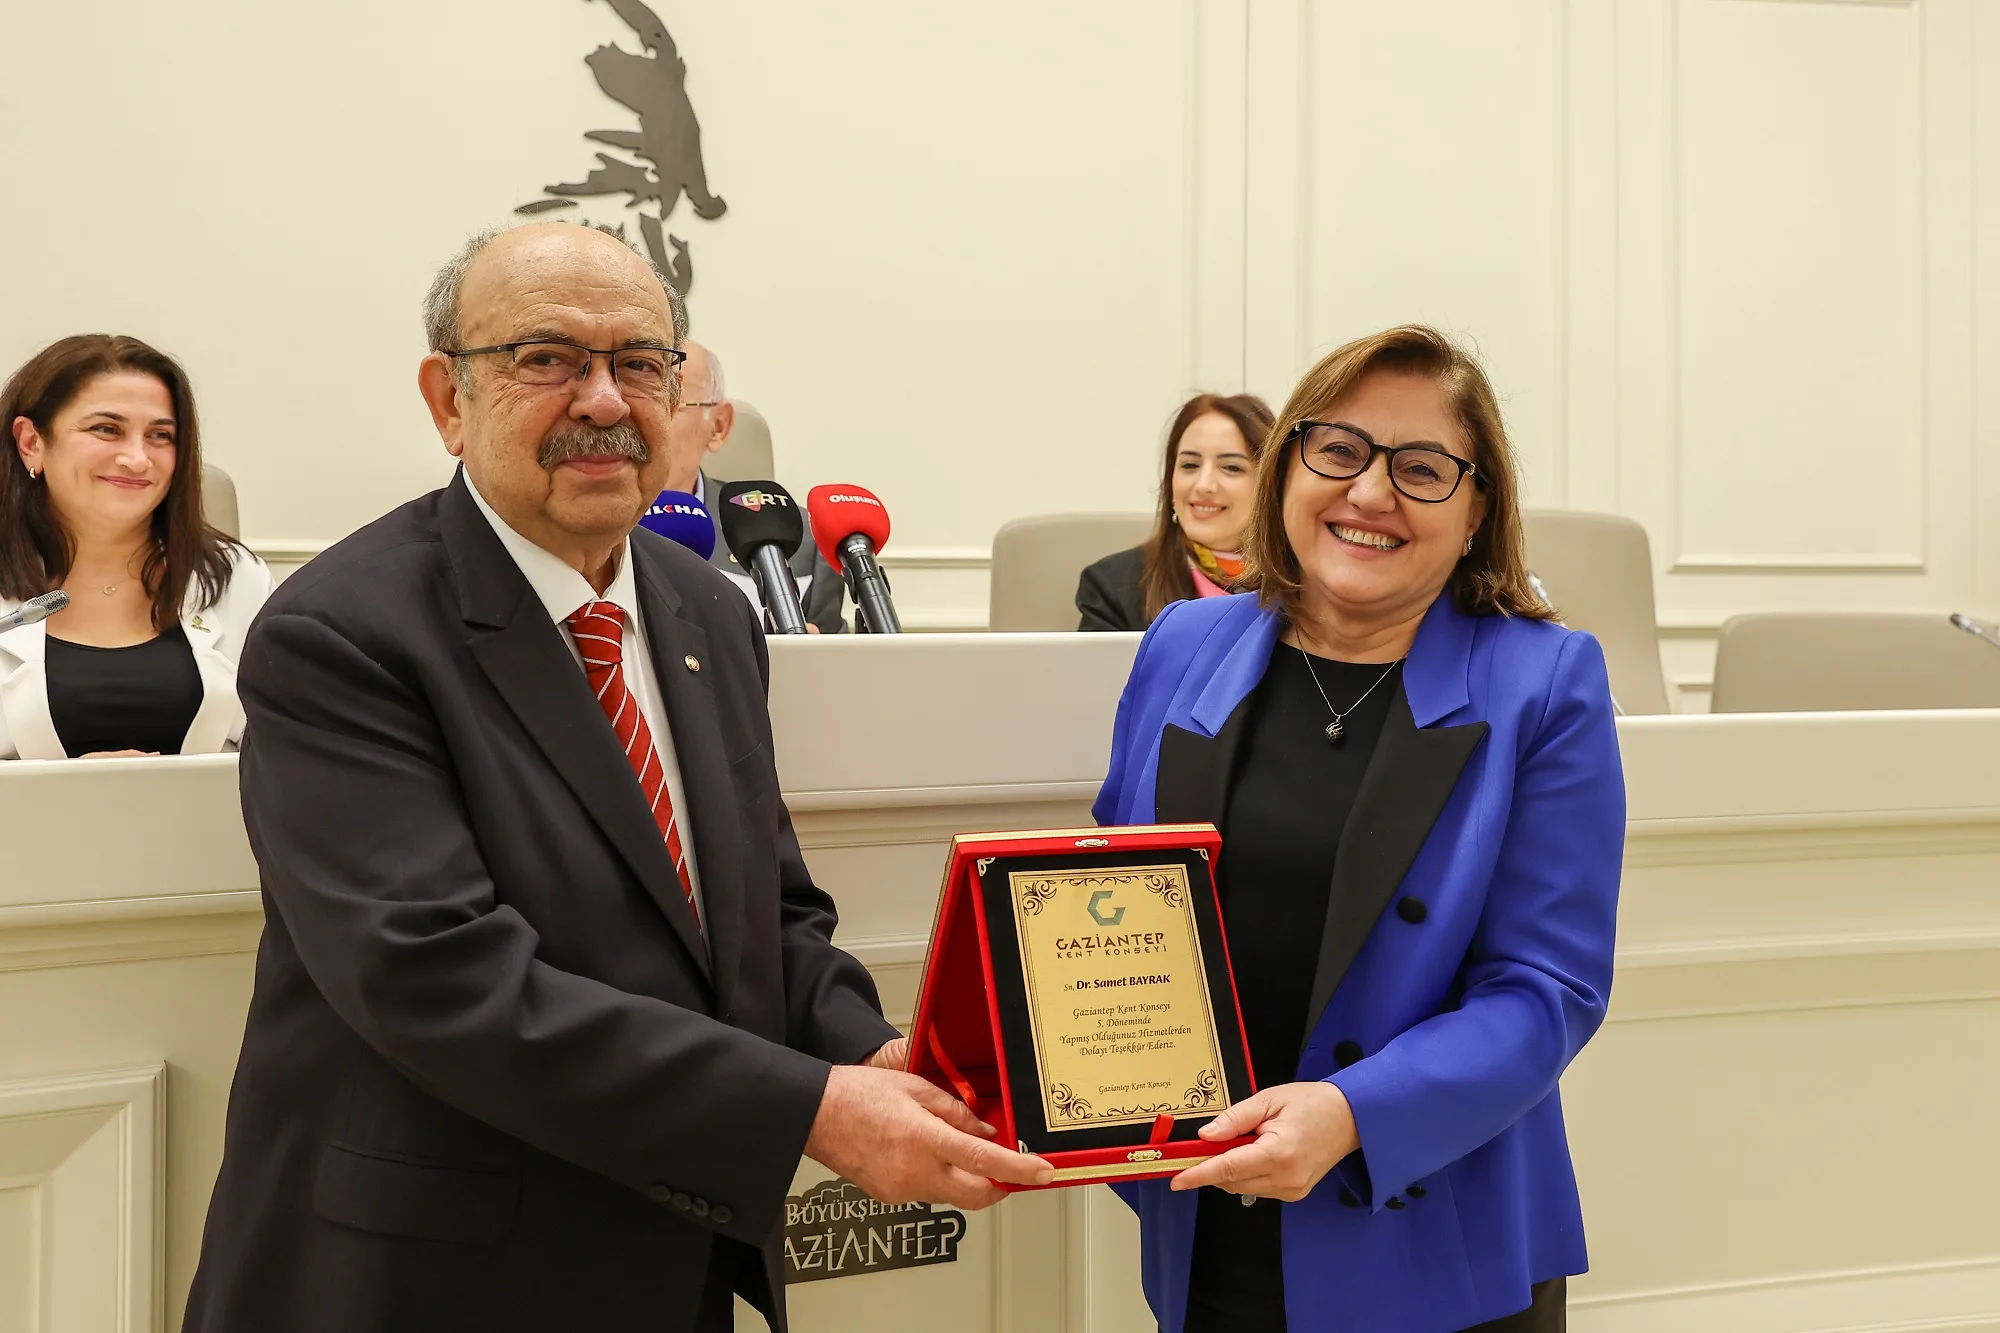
(102, 500)
(1204, 508)
(1416, 776)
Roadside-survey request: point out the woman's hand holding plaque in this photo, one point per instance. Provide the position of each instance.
(1302, 1129)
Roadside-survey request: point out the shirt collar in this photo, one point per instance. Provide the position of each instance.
(560, 588)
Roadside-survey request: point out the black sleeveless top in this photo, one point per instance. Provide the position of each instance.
(139, 698)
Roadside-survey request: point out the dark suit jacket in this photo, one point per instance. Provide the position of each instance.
(823, 595)
(1108, 595)
(493, 1077)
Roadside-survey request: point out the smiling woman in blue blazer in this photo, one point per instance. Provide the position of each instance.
(1417, 780)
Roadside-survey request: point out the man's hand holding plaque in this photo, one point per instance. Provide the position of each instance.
(903, 1140)
(1078, 996)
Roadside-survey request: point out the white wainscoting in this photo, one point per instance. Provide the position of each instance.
(82, 1197)
(1785, 1125)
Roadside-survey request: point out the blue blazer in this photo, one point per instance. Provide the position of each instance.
(1492, 816)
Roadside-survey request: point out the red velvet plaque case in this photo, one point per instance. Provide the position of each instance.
(1078, 996)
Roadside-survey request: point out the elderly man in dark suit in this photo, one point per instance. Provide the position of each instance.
(547, 1006)
(701, 426)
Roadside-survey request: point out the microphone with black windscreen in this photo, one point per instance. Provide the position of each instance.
(34, 611)
(682, 518)
(850, 526)
(764, 528)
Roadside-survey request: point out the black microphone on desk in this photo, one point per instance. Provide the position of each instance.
(1972, 627)
(763, 529)
(850, 526)
(34, 610)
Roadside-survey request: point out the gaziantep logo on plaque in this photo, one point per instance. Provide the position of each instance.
(836, 1230)
(655, 163)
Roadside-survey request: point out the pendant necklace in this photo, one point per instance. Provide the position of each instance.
(1335, 731)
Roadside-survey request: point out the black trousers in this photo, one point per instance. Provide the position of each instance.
(1238, 1281)
(729, 1265)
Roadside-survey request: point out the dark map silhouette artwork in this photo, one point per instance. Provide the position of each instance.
(666, 146)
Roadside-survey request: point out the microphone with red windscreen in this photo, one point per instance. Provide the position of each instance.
(850, 526)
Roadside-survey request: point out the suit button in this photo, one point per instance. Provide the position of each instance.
(1349, 1198)
(1346, 1053)
(682, 1202)
(729, 1015)
(721, 1215)
(660, 1193)
(701, 1207)
(1393, 1202)
(1416, 1191)
(1412, 910)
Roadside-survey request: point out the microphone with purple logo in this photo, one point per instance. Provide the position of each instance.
(681, 517)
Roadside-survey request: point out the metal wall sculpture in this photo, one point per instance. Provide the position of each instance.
(667, 144)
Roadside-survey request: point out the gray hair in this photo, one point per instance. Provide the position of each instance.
(716, 388)
(442, 312)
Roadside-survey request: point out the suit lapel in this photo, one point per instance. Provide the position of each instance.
(1193, 782)
(524, 656)
(695, 718)
(1409, 780)
(24, 693)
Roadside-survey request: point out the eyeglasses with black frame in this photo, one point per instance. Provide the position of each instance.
(645, 370)
(1341, 452)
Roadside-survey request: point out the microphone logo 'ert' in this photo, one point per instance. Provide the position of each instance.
(754, 501)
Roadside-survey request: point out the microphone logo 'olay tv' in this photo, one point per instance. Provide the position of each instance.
(754, 501)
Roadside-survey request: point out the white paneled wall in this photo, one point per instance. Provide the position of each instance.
(82, 1198)
(1723, 257)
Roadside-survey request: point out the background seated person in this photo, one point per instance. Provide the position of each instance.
(1205, 489)
(700, 427)
(103, 500)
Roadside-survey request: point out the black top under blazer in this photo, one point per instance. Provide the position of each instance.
(493, 1077)
(1108, 595)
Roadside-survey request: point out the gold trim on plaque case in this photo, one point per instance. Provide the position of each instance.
(1111, 1170)
(1123, 830)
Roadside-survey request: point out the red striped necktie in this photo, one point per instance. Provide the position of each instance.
(599, 629)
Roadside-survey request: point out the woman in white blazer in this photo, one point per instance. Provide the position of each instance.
(102, 499)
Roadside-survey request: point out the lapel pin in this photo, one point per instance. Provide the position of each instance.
(693, 662)
(196, 622)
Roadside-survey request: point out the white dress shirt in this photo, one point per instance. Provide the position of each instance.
(563, 592)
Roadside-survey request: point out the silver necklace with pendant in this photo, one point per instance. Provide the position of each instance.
(1336, 731)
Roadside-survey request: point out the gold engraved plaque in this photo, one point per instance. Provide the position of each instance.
(1118, 997)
